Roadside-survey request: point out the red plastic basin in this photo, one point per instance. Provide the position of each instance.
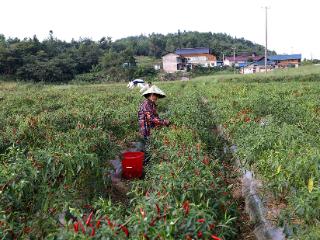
(132, 164)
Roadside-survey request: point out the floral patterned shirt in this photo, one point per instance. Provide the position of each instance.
(149, 118)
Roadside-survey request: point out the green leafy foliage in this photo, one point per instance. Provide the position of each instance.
(53, 60)
(275, 127)
(58, 140)
(55, 142)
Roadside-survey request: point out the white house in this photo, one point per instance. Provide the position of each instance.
(187, 58)
(172, 62)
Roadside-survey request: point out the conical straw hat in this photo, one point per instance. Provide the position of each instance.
(154, 89)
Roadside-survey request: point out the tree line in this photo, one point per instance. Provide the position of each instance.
(54, 60)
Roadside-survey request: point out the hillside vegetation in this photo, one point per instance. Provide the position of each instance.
(54, 60)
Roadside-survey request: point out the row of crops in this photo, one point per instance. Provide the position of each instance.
(276, 129)
(55, 143)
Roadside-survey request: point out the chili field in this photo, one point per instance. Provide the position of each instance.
(56, 142)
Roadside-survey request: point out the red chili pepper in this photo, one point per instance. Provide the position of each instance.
(215, 237)
(27, 230)
(212, 226)
(201, 220)
(247, 119)
(205, 160)
(200, 234)
(153, 222)
(93, 232)
(109, 223)
(82, 228)
(125, 230)
(145, 236)
(89, 219)
(158, 209)
(76, 227)
(186, 207)
(98, 223)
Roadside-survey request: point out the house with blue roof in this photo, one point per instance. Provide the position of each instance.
(258, 66)
(284, 61)
(273, 62)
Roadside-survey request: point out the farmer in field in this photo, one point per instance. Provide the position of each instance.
(147, 115)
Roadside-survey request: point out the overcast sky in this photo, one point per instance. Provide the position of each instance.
(292, 24)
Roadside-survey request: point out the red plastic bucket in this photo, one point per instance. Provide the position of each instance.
(132, 163)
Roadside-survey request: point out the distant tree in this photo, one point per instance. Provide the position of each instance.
(2, 39)
(105, 43)
(121, 65)
(55, 60)
(111, 59)
(51, 35)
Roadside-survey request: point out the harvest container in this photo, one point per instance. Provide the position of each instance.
(132, 164)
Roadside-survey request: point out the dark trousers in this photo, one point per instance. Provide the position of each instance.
(145, 148)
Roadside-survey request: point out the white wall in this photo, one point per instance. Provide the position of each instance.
(170, 62)
(226, 62)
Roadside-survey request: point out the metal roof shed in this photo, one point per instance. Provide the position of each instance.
(285, 57)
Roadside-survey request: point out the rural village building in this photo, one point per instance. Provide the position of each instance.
(242, 60)
(283, 61)
(276, 61)
(257, 67)
(187, 58)
(172, 62)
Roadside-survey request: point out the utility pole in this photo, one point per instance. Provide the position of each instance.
(266, 48)
(234, 60)
(179, 36)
